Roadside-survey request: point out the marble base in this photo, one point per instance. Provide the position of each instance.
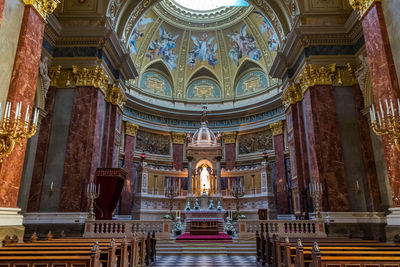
(393, 219)
(10, 217)
(55, 217)
(11, 231)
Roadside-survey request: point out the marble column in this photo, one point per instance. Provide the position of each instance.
(128, 192)
(2, 2)
(383, 78)
(178, 141)
(218, 167)
(22, 89)
(281, 184)
(230, 149)
(190, 162)
(42, 153)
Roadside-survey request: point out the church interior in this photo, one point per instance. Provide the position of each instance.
(200, 133)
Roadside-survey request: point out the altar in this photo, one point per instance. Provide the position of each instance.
(204, 222)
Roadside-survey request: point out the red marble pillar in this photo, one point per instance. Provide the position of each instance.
(324, 146)
(230, 149)
(22, 88)
(281, 184)
(127, 193)
(178, 140)
(41, 153)
(83, 147)
(2, 2)
(111, 136)
(384, 82)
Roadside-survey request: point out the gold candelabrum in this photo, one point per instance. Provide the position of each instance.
(13, 130)
(93, 192)
(387, 123)
(316, 193)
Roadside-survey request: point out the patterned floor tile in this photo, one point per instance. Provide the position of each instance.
(206, 261)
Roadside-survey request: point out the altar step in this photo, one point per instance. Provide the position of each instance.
(242, 248)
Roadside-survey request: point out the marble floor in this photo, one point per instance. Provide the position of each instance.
(206, 261)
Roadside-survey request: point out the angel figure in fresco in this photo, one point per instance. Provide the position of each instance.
(266, 27)
(138, 32)
(203, 50)
(243, 44)
(164, 47)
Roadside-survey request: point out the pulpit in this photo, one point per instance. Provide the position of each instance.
(111, 181)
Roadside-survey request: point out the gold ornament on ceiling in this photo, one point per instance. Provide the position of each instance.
(43, 7)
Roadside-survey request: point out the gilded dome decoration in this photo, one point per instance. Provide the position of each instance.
(204, 137)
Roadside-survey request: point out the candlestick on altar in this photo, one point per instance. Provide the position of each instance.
(316, 192)
(92, 192)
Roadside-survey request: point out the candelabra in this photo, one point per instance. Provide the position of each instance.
(93, 192)
(237, 193)
(171, 193)
(387, 124)
(316, 193)
(13, 131)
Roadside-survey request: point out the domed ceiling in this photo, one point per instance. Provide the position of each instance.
(212, 55)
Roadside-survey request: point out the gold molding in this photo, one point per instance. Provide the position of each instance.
(131, 128)
(54, 75)
(292, 95)
(115, 96)
(61, 78)
(43, 7)
(229, 137)
(91, 76)
(178, 138)
(345, 76)
(361, 6)
(313, 74)
(277, 128)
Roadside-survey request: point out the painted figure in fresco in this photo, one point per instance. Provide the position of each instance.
(266, 27)
(243, 44)
(203, 50)
(138, 32)
(164, 47)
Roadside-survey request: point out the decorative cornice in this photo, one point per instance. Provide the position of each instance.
(43, 7)
(91, 76)
(54, 75)
(178, 138)
(229, 137)
(115, 96)
(292, 95)
(131, 128)
(277, 128)
(313, 74)
(361, 6)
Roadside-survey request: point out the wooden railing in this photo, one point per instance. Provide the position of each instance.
(120, 229)
(283, 228)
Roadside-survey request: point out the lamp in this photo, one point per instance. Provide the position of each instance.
(14, 130)
(387, 124)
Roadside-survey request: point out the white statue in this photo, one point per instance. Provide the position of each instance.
(362, 71)
(204, 178)
(44, 73)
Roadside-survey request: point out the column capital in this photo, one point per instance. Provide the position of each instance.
(362, 6)
(229, 137)
(292, 95)
(91, 76)
(178, 138)
(313, 74)
(131, 128)
(115, 96)
(54, 75)
(277, 128)
(43, 7)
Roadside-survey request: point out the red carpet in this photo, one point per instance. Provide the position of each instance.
(187, 237)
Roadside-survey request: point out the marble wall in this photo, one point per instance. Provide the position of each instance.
(9, 33)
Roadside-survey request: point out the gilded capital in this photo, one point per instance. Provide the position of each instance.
(277, 128)
(115, 96)
(313, 74)
(91, 76)
(43, 7)
(292, 95)
(345, 76)
(361, 6)
(54, 75)
(229, 137)
(131, 128)
(178, 138)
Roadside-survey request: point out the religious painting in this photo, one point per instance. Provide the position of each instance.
(244, 44)
(203, 51)
(251, 82)
(204, 89)
(268, 31)
(164, 47)
(255, 142)
(152, 143)
(138, 32)
(155, 83)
